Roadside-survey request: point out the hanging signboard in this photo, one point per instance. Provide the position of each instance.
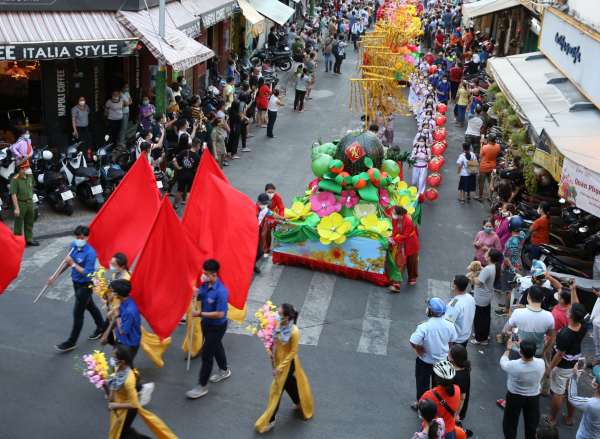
(45, 51)
(76, 5)
(580, 186)
(217, 15)
(548, 156)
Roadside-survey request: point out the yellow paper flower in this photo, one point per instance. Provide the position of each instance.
(333, 228)
(372, 224)
(363, 210)
(299, 211)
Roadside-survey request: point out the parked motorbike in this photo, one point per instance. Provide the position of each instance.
(83, 180)
(110, 173)
(7, 172)
(52, 183)
(281, 59)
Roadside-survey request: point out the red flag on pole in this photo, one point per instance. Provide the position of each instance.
(123, 223)
(12, 253)
(162, 281)
(223, 221)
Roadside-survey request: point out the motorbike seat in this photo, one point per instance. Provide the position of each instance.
(50, 176)
(280, 54)
(86, 172)
(577, 253)
(575, 263)
(115, 174)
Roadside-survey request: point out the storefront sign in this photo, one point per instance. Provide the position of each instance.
(580, 186)
(217, 15)
(573, 50)
(42, 51)
(192, 29)
(548, 156)
(76, 5)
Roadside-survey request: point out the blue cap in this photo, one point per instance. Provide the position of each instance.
(596, 371)
(437, 306)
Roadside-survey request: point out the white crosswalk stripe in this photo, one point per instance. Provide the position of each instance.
(314, 310)
(438, 288)
(62, 290)
(376, 324)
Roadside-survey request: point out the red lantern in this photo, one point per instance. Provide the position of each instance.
(440, 134)
(421, 198)
(440, 120)
(434, 179)
(442, 108)
(431, 194)
(437, 150)
(443, 144)
(441, 160)
(434, 164)
(432, 69)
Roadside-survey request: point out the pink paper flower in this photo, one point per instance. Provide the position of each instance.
(325, 204)
(349, 198)
(313, 186)
(384, 199)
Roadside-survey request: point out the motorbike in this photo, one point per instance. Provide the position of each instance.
(210, 100)
(84, 181)
(52, 181)
(280, 59)
(7, 172)
(110, 173)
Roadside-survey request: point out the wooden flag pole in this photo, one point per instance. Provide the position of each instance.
(57, 270)
(191, 329)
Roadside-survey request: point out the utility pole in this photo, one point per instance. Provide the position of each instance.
(161, 75)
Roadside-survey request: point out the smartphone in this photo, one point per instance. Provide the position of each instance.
(581, 364)
(515, 335)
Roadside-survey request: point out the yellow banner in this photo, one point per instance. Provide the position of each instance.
(548, 156)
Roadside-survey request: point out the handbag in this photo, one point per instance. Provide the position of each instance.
(472, 167)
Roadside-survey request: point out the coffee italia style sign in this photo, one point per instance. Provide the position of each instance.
(44, 51)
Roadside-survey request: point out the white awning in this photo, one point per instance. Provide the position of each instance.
(273, 10)
(210, 11)
(176, 49)
(579, 145)
(485, 7)
(257, 20)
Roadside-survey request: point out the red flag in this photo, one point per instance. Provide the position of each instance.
(123, 223)
(12, 252)
(162, 281)
(223, 221)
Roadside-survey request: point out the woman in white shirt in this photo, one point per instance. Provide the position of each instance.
(275, 101)
(467, 181)
(421, 154)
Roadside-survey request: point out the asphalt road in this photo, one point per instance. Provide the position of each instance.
(355, 354)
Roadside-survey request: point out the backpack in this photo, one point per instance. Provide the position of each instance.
(336, 49)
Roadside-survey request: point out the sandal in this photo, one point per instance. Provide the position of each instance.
(498, 338)
(250, 135)
(461, 201)
(395, 288)
(183, 202)
(414, 406)
(412, 282)
(564, 418)
(481, 343)
(501, 403)
(478, 199)
(545, 419)
(468, 198)
(235, 157)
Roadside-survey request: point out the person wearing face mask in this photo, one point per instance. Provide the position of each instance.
(21, 192)
(79, 117)
(147, 110)
(540, 230)
(123, 400)
(82, 260)
(113, 110)
(421, 154)
(501, 224)
(287, 372)
(485, 240)
(265, 215)
(461, 309)
(276, 206)
(213, 296)
(126, 98)
(427, 118)
(443, 89)
(433, 426)
(426, 130)
(22, 149)
(405, 242)
(414, 93)
(184, 88)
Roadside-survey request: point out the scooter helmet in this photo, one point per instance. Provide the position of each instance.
(444, 370)
(47, 155)
(515, 223)
(437, 306)
(538, 277)
(538, 265)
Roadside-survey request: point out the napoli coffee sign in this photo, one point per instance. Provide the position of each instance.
(43, 51)
(569, 50)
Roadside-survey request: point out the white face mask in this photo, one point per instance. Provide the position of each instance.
(204, 278)
(444, 81)
(425, 130)
(82, 103)
(421, 143)
(271, 195)
(28, 171)
(505, 214)
(429, 88)
(395, 216)
(427, 117)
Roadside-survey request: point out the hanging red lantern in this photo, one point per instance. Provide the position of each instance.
(421, 198)
(441, 160)
(431, 194)
(442, 108)
(437, 150)
(440, 120)
(434, 179)
(440, 134)
(442, 143)
(434, 164)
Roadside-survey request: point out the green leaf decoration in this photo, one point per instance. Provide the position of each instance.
(329, 176)
(368, 162)
(320, 143)
(396, 180)
(376, 174)
(364, 176)
(328, 185)
(348, 180)
(339, 179)
(355, 179)
(368, 193)
(335, 142)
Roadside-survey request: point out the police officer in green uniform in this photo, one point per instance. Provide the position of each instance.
(21, 191)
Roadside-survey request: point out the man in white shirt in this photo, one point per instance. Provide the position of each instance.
(461, 310)
(473, 133)
(357, 30)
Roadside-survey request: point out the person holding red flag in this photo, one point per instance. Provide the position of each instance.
(213, 296)
(276, 206)
(404, 232)
(264, 215)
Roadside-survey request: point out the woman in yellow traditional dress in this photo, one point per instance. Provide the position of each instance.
(123, 401)
(288, 374)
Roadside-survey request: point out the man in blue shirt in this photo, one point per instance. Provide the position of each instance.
(129, 322)
(83, 261)
(443, 90)
(213, 296)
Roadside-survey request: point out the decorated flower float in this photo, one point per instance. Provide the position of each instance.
(342, 221)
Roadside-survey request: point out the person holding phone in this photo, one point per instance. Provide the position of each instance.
(589, 427)
(217, 137)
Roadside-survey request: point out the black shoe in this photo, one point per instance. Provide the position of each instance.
(257, 270)
(33, 243)
(95, 335)
(183, 321)
(500, 312)
(500, 305)
(66, 346)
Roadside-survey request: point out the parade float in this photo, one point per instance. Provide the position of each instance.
(341, 222)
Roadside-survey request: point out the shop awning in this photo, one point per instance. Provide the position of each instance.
(485, 7)
(176, 49)
(63, 35)
(257, 20)
(273, 10)
(210, 11)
